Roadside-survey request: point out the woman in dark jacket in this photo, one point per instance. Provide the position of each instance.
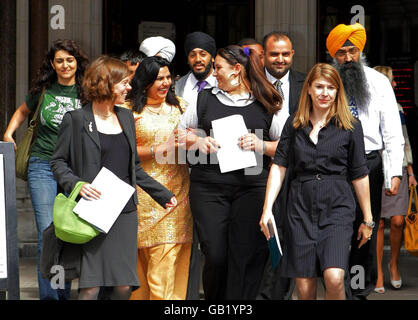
(102, 134)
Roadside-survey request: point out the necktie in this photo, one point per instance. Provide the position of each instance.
(278, 86)
(200, 85)
(353, 108)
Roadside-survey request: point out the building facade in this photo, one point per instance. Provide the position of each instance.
(27, 28)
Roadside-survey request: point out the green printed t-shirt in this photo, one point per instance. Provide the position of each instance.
(58, 99)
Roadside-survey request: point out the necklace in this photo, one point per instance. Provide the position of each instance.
(104, 117)
(155, 112)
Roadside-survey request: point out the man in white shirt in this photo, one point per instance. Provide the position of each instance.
(372, 101)
(278, 60)
(200, 51)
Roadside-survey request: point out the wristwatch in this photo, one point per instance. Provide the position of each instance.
(370, 224)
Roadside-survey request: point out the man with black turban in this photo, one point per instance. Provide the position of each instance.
(200, 51)
(371, 100)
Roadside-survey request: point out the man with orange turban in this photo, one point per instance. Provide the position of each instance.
(371, 99)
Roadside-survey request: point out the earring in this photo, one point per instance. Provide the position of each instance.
(235, 81)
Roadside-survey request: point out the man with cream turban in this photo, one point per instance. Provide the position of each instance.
(158, 46)
(371, 100)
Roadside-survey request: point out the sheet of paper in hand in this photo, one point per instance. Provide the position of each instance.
(115, 193)
(226, 132)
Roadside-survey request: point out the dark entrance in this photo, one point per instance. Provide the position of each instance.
(126, 23)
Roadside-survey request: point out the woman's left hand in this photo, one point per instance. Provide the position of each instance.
(364, 234)
(250, 142)
(172, 203)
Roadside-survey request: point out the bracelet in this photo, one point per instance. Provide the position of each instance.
(411, 175)
(151, 149)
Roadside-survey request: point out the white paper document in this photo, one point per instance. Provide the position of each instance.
(386, 169)
(226, 132)
(274, 233)
(115, 193)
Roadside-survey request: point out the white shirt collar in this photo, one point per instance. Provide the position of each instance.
(234, 100)
(272, 79)
(211, 81)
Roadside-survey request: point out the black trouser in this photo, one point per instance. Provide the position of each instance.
(193, 284)
(227, 219)
(366, 255)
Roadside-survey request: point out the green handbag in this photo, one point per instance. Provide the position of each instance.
(68, 226)
(25, 145)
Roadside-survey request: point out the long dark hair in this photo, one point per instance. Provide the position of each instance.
(254, 75)
(47, 75)
(144, 77)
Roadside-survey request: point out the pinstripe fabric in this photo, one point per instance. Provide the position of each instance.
(320, 211)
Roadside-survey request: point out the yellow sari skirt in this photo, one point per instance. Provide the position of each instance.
(163, 272)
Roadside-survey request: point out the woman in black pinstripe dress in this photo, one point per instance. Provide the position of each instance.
(324, 144)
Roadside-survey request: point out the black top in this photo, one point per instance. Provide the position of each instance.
(256, 119)
(337, 152)
(115, 154)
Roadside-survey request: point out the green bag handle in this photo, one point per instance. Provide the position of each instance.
(76, 190)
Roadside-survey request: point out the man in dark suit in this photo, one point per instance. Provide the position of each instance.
(278, 59)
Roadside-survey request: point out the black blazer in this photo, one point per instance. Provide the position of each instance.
(296, 81)
(78, 155)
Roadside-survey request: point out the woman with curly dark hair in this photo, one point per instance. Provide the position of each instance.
(57, 89)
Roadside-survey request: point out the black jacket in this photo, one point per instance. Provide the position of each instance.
(78, 155)
(296, 81)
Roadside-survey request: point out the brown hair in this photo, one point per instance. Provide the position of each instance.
(339, 110)
(101, 76)
(253, 76)
(387, 71)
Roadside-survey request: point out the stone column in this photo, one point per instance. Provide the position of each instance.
(82, 23)
(8, 62)
(38, 37)
(295, 17)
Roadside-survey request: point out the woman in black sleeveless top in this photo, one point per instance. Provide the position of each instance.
(227, 206)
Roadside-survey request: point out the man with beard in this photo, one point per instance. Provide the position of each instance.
(278, 60)
(200, 52)
(371, 99)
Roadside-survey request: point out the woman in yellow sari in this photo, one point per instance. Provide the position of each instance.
(164, 236)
